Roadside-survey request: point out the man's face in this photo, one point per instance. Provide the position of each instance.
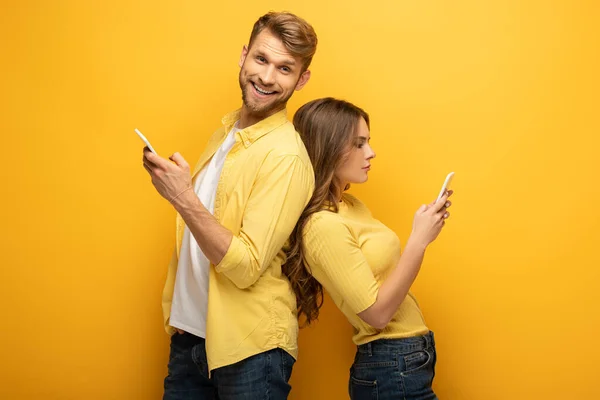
(269, 75)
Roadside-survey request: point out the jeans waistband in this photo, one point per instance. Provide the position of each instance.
(401, 346)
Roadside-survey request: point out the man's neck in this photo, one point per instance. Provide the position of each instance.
(248, 118)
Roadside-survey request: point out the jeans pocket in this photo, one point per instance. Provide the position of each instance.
(363, 390)
(417, 375)
(416, 361)
(179, 358)
(287, 364)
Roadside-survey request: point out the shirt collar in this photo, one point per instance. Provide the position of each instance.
(254, 132)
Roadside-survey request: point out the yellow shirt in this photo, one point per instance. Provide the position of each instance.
(266, 182)
(351, 253)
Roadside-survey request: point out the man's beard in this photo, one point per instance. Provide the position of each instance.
(260, 109)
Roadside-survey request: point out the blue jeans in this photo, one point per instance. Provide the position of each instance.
(263, 376)
(394, 369)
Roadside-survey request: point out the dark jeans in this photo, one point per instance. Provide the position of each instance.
(263, 376)
(394, 369)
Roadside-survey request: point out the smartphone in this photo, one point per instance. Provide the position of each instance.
(145, 140)
(446, 185)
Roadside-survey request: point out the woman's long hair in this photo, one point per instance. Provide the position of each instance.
(328, 128)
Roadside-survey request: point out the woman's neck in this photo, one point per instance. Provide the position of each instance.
(339, 192)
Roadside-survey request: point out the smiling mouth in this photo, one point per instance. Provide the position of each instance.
(262, 91)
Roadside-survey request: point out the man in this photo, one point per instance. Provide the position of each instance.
(230, 310)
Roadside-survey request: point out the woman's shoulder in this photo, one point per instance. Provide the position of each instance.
(352, 200)
(328, 219)
(352, 205)
(324, 218)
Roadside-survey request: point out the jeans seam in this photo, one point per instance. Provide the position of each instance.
(283, 364)
(378, 364)
(269, 364)
(363, 382)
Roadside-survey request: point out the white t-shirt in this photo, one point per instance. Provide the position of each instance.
(190, 298)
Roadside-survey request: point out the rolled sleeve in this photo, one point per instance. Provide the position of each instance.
(337, 262)
(278, 197)
(234, 256)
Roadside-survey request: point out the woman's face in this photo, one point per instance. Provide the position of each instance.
(357, 162)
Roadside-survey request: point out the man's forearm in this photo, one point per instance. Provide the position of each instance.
(212, 237)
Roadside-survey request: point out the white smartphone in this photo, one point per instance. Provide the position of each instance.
(145, 140)
(446, 185)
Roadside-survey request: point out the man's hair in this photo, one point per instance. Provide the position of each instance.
(297, 35)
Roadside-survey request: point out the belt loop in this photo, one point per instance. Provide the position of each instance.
(369, 349)
(429, 340)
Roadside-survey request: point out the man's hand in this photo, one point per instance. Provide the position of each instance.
(169, 178)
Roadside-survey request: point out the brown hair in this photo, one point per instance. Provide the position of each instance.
(297, 35)
(327, 127)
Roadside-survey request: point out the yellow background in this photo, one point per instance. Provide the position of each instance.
(504, 93)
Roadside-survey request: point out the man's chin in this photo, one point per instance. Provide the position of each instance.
(261, 109)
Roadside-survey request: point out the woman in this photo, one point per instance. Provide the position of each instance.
(356, 258)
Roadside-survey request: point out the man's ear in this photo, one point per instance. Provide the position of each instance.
(243, 55)
(303, 80)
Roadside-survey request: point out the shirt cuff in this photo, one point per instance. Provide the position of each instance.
(233, 257)
(366, 301)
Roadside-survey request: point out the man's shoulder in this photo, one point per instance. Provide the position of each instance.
(285, 132)
(284, 141)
